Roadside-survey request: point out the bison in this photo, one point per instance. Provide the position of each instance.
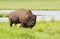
(24, 17)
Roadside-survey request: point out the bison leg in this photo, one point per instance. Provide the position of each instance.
(15, 24)
(10, 20)
(22, 25)
(11, 24)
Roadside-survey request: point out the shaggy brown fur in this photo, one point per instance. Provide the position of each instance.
(24, 17)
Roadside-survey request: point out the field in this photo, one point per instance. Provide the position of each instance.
(42, 30)
(4, 14)
(41, 5)
(28, 0)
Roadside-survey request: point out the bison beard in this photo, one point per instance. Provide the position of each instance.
(24, 17)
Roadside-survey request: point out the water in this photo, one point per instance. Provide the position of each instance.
(6, 11)
(46, 15)
(4, 19)
(55, 14)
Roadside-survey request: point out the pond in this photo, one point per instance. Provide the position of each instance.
(41, 14)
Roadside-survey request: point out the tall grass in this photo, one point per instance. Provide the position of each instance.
(42, 30)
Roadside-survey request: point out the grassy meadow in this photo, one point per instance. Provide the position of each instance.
(4, 14)
(41, 5)
(42, 30)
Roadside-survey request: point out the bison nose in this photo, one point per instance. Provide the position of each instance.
(33, 23)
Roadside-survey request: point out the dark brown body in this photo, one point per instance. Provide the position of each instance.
(24, 17)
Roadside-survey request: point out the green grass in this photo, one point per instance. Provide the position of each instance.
(42, 30)
(27, 0)
(4, 14)
(50, 5)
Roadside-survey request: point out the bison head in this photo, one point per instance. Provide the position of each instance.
(31, 20)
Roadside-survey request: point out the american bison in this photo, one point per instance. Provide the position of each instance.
(24, 17)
